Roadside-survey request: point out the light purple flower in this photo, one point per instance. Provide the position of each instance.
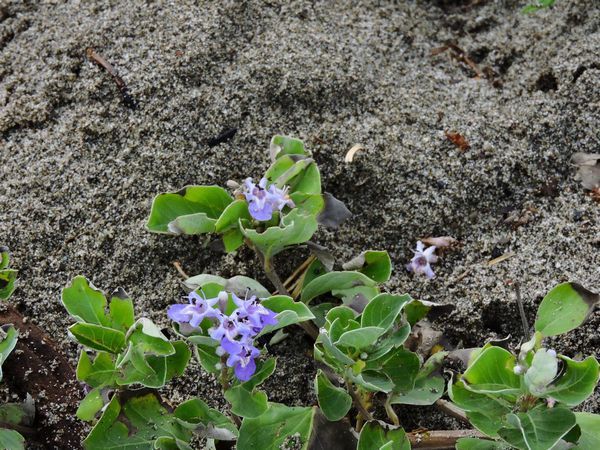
(421, 262)
(230, 327)
(195, 312)
(254, 311)
(241, 357)
(262, 201)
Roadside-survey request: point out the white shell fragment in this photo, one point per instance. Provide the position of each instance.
(350, 155)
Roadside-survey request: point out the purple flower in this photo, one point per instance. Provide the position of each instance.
(262, 201)
(254, 311)
(195, 312)
(241, 357)
(421, 262)
(230, 327)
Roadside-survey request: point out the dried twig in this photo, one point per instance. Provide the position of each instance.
(460, 55)
(524, 322)
(441, 439)
(180, 270)
(452, 410)
(500, 258)
(100, 61)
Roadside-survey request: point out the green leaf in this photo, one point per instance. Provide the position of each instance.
(166, 208)
(334, 280)
(11, 440)
(137, 367)
(415, 311)
(590, 430)
(564, 308)
(357, 297)
(296, 228)
(374, 437)
(9, 335)
(12, 414)
(334, 354)
(270, 430)
(485, 412)
(230, 217)
(311, 204)
(246, 403)
(239, 285)
(293, 175)
(402, 367)
(138, 424)
(191, 224)
(84, 302)
(145, 334)
(288, 312)
(334, 401)
(178, 361)
(537, 429)
(8, 278)
(102, 372)
(577, 382)
(4, 257)
(121, 310)
(232, 240)
(373, 380)
(285, 145)
(207, 358)
(479, 444)
(343, 315)
(216, 424)
(375, 264)
(426, 391)
(90, 405)
(360, 338)
(492, 372)
(383, 310)
(264, 370)
(98, 337)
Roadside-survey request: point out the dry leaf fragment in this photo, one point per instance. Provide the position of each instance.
(501, 258)
(441, 241)
(458, 139)
(588, 171)
(350, 155)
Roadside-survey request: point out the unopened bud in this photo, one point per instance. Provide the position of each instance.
(363, 355)
(220, 351)
(518, 370)
(552, 353)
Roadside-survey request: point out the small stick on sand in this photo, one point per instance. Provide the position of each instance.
(524, 322)
(96, 58)
(180, 270)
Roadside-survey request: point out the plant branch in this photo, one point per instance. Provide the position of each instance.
(25, 430)
(363, 413)
(273, 277)
(452, 410)
(390, 412)
(524, 323)
(440, 439)
(224, 380)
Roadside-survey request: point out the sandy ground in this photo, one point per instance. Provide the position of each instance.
(79, 168)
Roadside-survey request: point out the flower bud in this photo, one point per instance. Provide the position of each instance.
(518, 370)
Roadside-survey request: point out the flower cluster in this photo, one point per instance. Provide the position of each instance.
(263, 201)
(235, 332)
(421, 262)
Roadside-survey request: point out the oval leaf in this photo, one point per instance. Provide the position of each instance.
(334, 401)
(564, 308)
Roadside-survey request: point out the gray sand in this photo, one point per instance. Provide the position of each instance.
(79, 169)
